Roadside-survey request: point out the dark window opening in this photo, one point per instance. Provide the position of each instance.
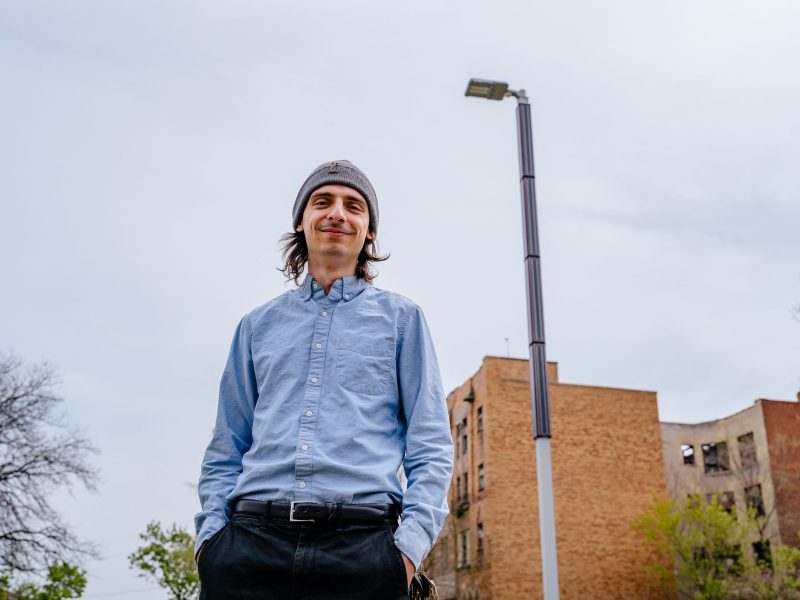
(688, 454)
(458, 487)
(715, 457)
(464, 436)
(479, 426)
(747, 450)
(729, 558)
(763, 554)
(481, 478)
(479, 548)
(754, 498)
(726, 500)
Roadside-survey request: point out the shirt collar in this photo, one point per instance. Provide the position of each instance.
(344, 289)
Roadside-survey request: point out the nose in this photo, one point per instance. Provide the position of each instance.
(336, 211)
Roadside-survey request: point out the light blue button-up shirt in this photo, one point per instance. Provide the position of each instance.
(322, 398)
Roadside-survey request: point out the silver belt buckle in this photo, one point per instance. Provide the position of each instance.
(291, 513)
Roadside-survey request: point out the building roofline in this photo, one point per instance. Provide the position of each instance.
(608, 387)
(554, 362)
(738, 412)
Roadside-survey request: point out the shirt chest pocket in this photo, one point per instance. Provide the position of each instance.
(365, 366)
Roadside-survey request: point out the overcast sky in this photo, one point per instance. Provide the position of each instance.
(151, 153)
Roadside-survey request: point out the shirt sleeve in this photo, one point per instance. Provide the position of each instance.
(428, 460)
(233, 436)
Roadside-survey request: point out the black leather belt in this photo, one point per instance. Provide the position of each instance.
(317, 512)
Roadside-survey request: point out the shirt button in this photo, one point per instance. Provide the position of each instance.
(309, 413)
(314, 380)
(304, 446)
(317, 346)
(302, 484)
(324, 313)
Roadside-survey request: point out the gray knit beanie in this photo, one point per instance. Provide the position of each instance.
(342, 172)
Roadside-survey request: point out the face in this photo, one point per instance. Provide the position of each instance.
(335, 223)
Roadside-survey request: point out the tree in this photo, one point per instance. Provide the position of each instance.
(168, 559)
(711, 555)
(39, 453)
(63, 581)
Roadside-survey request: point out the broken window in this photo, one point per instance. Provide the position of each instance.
(463, 549)
(726, 501)
(715, 457)
(747, 450)
(688, 454)
(754, 498)
(727, 558)
(762, 553)
(481, 478)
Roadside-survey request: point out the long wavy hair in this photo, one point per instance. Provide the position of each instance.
(295, 254)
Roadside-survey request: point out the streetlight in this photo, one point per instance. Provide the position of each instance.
(540, 408)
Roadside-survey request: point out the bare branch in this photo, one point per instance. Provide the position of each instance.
(39, 453)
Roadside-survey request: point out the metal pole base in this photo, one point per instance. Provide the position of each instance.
(547, 529)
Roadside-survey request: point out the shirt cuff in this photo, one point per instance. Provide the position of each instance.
(211, 525)
(412, 541)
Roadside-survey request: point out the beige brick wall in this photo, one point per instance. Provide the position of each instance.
(607, 464)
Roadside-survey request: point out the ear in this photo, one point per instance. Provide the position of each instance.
(299, 228)
(370, 236)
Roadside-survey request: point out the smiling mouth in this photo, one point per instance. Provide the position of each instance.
(335, 232)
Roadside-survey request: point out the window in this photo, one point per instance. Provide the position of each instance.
(754, 498)
(464, 436)
(458, 487)
(726, 500)
(747, 450)
(481, 478)
(479, 425)
(479, 548)
(762, 553)
(688, 454)
(466, 486)
(715, 457)
(728, 558)
(462, 551)
(458, 439)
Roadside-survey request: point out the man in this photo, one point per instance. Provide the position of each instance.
(328, 389)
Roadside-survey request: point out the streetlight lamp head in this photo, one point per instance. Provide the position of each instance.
(482, 88)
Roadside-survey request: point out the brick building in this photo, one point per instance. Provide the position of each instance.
(749, 458)
(607, 465)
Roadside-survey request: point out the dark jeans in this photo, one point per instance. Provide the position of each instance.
(302, 561)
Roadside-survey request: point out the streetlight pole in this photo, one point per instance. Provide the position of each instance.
(540, 406)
